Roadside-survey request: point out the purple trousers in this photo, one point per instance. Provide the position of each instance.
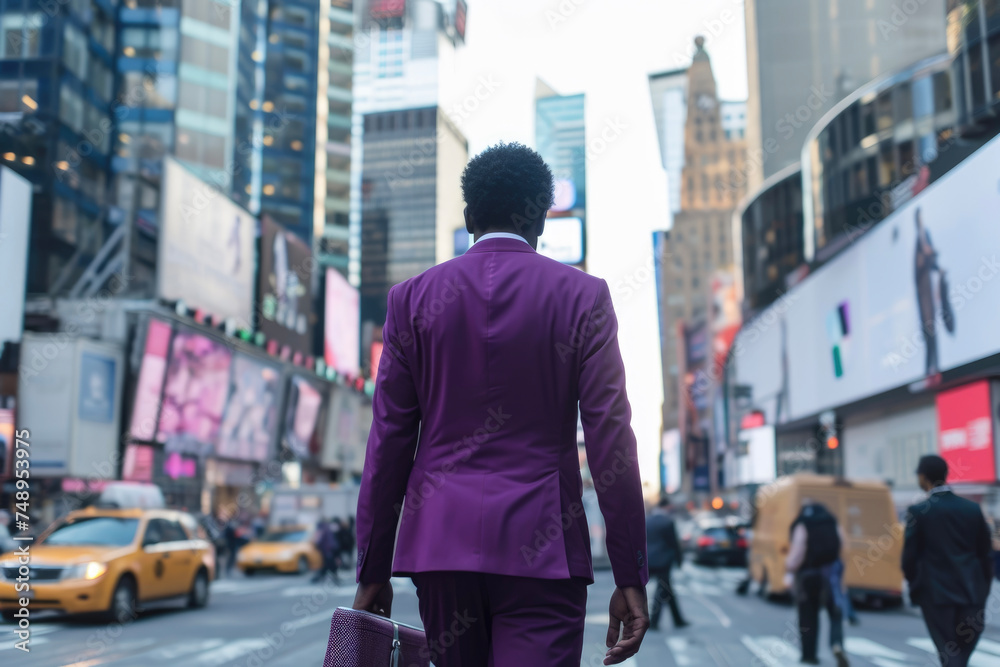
(492, 620)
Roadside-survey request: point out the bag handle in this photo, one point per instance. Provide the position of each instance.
(396, 649)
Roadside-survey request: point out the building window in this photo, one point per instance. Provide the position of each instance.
(75, 52)
(64, 222)
(21, 35)
(389, 54)
(13, 92)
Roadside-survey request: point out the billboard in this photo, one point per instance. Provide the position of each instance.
(965, 432)
(6, 442)
(206, 248)
(342, 325)
(915, 296)
(69, 393)
(137, 465)
(346, 431)
(388, 9)
(755, 460)
(249, 422)
(286, 266)
(15, 228)
(376, 358)
(97, 388)
(194, 394)
(670, 461)
(304, 404)
(146, 405)
(562, 240)
(461, 14)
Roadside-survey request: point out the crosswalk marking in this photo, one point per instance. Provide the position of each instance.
(979, 658)
(232, 650)
(32, 643)
(867, 648)
(760, 652)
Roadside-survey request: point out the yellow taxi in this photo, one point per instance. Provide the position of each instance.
(110, 561)
(284, 550)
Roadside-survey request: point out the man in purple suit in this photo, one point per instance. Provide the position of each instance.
(472, 453)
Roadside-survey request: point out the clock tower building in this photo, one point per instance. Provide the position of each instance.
(699, 309)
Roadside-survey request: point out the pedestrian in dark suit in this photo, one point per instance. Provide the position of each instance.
(664, 553)
(947, 560)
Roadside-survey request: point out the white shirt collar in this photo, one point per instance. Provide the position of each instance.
(502, 235)
(944, 488)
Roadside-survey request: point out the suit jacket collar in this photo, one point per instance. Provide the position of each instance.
(500, 245)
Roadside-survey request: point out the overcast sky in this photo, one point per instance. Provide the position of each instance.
(605, 49)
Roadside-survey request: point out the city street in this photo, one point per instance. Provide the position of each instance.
(246, 617)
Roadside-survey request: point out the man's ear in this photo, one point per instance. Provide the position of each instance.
(540, 227)
(468, 221)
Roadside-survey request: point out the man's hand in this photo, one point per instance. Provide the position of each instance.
(628, 608)
(376, 598)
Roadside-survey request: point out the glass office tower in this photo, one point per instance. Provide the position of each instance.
(56, 91)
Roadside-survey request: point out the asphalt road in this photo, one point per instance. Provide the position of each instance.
(283, 621)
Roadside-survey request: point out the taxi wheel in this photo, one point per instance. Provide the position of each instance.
(198, 597)
(123, 605)
(249, 572)
(303, 566)
(9, 617)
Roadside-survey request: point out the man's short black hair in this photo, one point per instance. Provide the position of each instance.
(934, 468)
(507, 186)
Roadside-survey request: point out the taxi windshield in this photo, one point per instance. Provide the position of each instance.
(102, 531)
(290, 536)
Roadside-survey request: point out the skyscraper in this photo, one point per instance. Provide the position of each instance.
(804, 56)
(406, 202)
(697, 255)
(560, 138)
(56, 98)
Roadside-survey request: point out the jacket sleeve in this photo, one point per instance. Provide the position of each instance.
(984, 550)
(912, 545)
(392, 444)
(611, 446)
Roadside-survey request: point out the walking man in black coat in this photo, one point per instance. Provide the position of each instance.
(664, 551)
(947, 560)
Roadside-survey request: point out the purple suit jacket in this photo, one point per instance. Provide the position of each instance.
(485, 360)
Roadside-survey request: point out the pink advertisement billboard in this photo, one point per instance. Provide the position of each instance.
(194, 395)
(147, 392)
(248, 424)
(342, 332)
(304, 404)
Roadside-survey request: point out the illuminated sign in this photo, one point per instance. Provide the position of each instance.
(562, 240)
(565, 195)
(461, 11)
(388, 9)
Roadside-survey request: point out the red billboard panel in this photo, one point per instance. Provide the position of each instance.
(388, 9)
(965, 433)
(461, 11)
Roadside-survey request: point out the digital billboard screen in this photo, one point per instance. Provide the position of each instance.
(146, 405)
(461, 13)
(206, 248)
(388, 9)
(286, 266)
(304, 404)
(250, 419)
(194, 394)
(563, 240)
(913, 297)
(342, 330)
(965, 432)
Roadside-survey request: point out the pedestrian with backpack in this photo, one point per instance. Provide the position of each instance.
(813, 558)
